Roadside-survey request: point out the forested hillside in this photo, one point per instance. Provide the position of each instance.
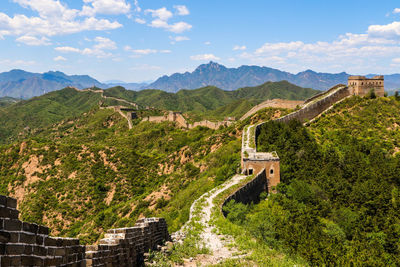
(338, 201)
(27, 117)
(210, 98)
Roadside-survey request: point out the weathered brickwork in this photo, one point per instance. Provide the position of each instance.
(29, 244)
(250, 192)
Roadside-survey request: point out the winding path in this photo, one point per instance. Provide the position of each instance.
(116, 108)
(217, 244)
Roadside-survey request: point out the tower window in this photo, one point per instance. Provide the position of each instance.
(271, 171)
(250, 171)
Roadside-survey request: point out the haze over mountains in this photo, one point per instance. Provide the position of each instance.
(22, 84)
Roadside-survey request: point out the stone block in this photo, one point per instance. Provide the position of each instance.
(11, 203)
(14, 237)
(59, 251)
(28, 249)
(3, 201)
(6, 212)
(31, 261)
(12, 225)
(40, 240)
(2, 249)
(53, 261)
(27, 238)
(50, 241)
(43, 230)
(30, 227)
(39, 251)
(4, 237)
(15, 249)
(10, 261)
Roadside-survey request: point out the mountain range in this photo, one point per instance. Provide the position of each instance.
(22, 84)
(233, 78)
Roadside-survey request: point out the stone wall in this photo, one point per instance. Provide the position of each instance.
(29, 244)
(178, 118)
(250, 192)
(315, 106)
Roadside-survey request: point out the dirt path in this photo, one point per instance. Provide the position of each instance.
(217, 244)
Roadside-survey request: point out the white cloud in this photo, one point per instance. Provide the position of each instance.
(144, 52)
(161, 17)
(396, 10)
(67, 49)
(54, 18)
(33, 41)
(104, 43)
(388, 31)
(140, 21)
(372, 51)
(137, 7)
(238, 47)
(161, 13)
(207, 43)
(59, 58)
(8, 63)
(98, 50)
(179, 38)
(204, 57)
(182, 10)
(396, 60)
(108, 7)
(179, 27)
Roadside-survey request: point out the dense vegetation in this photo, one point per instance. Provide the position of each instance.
(211, 100)
(26, 116)
(88, 174)
(339, 200)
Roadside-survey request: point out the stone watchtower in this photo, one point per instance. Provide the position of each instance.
(360, 85)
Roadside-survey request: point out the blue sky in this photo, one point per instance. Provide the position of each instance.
(137, 40)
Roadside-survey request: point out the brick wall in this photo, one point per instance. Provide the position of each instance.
(29, 244)
(250, 192)
(311, 110)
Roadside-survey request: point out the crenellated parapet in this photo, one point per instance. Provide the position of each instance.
(29, 244)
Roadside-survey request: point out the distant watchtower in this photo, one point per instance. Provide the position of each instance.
(360, 85)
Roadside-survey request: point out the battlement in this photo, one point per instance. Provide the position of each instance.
(29, 244)
(360, 85)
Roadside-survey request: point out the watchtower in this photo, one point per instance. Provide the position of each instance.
(360, 85)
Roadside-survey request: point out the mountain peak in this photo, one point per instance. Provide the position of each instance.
(211, 66)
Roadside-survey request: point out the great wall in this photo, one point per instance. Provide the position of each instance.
(28, 244)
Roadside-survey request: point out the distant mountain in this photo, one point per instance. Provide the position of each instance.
(129, 86)
(234, 78)
(23, 84)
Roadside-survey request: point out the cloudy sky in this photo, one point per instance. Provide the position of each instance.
(137, 40)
